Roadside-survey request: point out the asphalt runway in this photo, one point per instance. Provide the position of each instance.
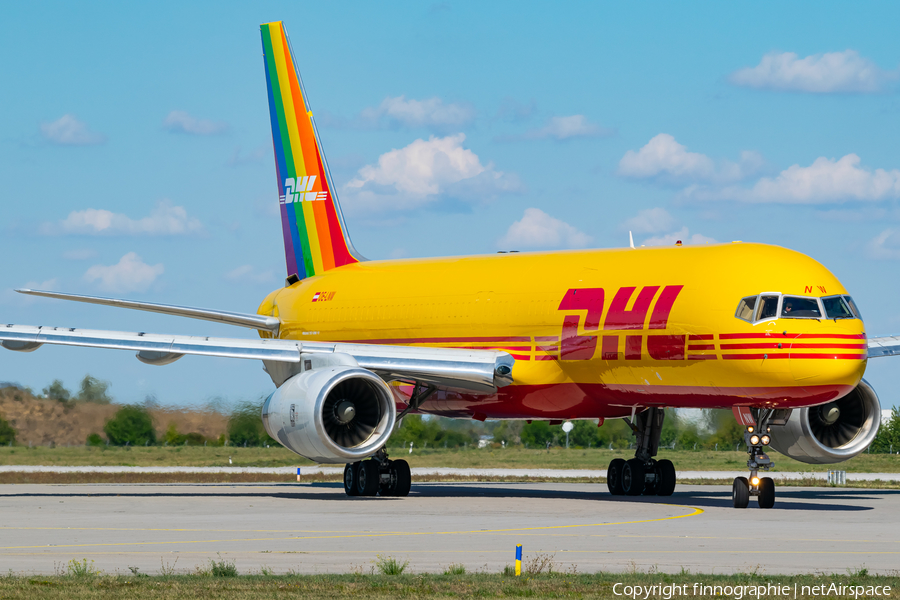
(311, 528)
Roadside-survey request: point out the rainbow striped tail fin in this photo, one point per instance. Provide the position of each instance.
(315, 237)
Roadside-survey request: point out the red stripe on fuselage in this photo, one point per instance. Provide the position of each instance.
(791, 346)
(755, 336)
(793, 355)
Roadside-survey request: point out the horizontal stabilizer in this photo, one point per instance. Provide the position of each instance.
(219, 316)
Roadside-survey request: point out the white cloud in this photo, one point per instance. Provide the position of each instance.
(179, 121)
(431, 113)
(832, 72)
(69, 131)
(537, 229)
(824, 181)
(560, 129)
(164, 220)
(665, 159)
(422, 173)
(886, 245)
(247, 274)
(683, 235)
(651, 220)
(130, 274)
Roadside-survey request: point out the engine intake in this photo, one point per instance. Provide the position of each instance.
(333, 414)
(832, 432)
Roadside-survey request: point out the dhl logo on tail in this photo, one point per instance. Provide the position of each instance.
(315, 238)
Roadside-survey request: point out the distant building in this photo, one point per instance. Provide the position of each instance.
(886, 415)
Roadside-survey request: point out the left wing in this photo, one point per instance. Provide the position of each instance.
(884, 346)
(481, 371)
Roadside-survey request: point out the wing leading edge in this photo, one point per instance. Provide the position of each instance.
(480, 371)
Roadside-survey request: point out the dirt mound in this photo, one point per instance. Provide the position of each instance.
(43, 422)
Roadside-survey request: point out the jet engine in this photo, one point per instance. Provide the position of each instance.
(832, 432)
(332, 414)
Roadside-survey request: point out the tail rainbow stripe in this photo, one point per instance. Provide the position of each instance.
(315, 238)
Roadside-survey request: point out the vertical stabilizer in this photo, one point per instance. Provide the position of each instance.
(315, 237)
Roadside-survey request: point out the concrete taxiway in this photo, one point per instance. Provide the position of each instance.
(316, 528)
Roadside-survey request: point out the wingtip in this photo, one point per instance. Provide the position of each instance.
(24, 290)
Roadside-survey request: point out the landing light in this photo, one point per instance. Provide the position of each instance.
(765, 440)
(755, 481)
(754, 440)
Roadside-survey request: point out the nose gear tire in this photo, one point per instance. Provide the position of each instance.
(766, 492)
(740, 492)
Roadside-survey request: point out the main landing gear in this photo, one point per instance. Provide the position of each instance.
(756, 438)
(643, 474)
(378, 475)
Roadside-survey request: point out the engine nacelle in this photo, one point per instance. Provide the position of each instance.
(832, 432)
(331, 414)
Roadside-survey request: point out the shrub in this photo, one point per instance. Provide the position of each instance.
(57, 391)
(245, 426)
(132, 426)
(888, 434)
(538, 433)
(84, 568)
(222, 568)
(94, 440)
(93, 390)
(455, 569)
(388, 565)
(7, 433)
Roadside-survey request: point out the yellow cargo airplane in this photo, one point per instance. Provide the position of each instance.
(354, 345)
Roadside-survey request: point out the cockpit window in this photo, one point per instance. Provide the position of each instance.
(837, 308)
(767, 308)
(794, 308)
(853, 307)
(745, 308)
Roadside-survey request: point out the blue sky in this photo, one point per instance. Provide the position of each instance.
(135, 150)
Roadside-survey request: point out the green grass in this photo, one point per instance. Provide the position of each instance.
(362, 586)
(514, 458)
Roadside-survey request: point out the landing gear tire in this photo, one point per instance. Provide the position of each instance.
(633, 477)
(665, 478)
(740, 492)
(614, 476)
(766, 492)
(351, 474)
(368, 478)
(400, 479)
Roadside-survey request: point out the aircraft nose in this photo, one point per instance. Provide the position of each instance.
(828, 362)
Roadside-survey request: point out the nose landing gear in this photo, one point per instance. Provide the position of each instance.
(763, 488)
(643, 474)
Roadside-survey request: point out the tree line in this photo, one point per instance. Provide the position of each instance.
(132, 425)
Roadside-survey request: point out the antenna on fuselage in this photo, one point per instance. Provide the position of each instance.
(630, 239)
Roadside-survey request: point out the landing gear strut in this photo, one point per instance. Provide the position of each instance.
(643, 474)
(757, 438)
(377, 475)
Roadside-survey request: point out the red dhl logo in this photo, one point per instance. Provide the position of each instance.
(618, 318)
(323, 296)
